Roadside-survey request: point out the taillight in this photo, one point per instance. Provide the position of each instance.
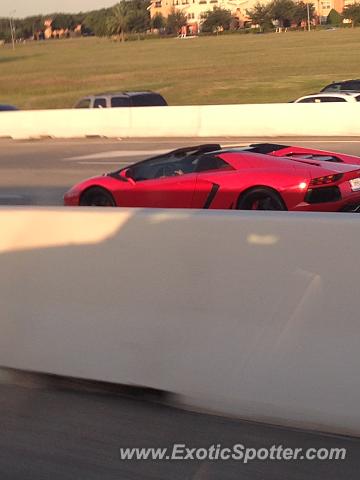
(325, 180)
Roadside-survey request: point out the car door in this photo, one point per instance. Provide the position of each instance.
(166, 192)
(208, 182)
(165, 181)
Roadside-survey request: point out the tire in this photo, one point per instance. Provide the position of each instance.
(261, 198)
(97, 197)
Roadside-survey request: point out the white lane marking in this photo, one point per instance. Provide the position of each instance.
(13, 199)
(115, 154)
(103, 163)
(10, 195)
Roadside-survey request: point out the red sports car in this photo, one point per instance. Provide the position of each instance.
(247, 178)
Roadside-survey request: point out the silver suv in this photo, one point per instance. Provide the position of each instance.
(122, 99)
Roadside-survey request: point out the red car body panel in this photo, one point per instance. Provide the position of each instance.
(177, 190)
(290, 151)
(240, 170)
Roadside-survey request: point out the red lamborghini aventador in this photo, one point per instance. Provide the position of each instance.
(258, 177)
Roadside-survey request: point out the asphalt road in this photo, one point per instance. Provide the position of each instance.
(39, 172)
(55, 432)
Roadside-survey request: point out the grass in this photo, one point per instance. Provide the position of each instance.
(205, 70)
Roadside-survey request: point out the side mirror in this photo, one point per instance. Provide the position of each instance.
(125, 174)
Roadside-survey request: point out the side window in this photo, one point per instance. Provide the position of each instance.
(352, 85)
(178, 162)
(207, 163)
(85, 103)
(120, 102)
(334, 87)
(148, 100)
(167, 165)
(322, 100)
(307, 100)
(156, 100)
(100, 103)
(137, 101)
(331, 99)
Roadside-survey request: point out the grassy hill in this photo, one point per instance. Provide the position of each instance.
(205, 70)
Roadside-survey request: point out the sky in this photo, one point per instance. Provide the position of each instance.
(25, 8)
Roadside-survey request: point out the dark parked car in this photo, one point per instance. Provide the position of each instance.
(7, 108)
(343, 86)
(122, 99)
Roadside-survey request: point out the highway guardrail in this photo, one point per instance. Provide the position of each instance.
(244, 313)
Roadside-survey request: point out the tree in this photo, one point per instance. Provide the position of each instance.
(234, 23)
(139, 16)
(96, 22)
(63, 20)
(139, 21)
(334, 18)
(5, 33)
(118, 22)
(352, 12)
(282, 11)
(158, 21)
(217, 20)
(300, 13)
(27, 27)
(174, 22)
(260, 15)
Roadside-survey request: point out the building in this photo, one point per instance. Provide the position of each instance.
(196, 10)
(50, 32)
(48, 28)
(161, 7)
(323, 7)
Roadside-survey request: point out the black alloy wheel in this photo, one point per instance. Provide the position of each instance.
(97, 197)
(261, 199)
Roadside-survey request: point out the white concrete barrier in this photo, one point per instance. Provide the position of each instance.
(288, 119)
(249, 314)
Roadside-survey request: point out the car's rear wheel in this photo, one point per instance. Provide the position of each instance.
(261, 199)
(97, 197)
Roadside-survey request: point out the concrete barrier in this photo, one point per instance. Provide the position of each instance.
(269, 120)
(248, 314)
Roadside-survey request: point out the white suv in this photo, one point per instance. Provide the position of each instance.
(329, 97)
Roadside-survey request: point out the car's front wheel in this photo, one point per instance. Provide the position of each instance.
(97, 197)
(261, 198)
